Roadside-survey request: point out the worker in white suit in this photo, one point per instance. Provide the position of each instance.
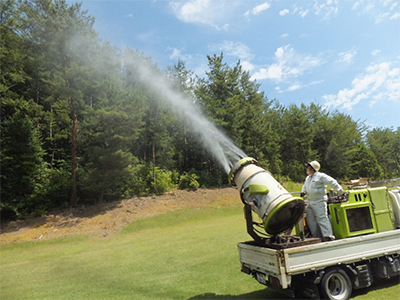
(316, 212)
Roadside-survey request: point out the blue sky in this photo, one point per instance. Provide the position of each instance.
(341, 54)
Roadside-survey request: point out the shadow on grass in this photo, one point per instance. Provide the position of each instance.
(274, 295)
(256, 295)
(378, 284)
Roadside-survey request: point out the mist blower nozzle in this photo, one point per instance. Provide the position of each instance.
(276, 207)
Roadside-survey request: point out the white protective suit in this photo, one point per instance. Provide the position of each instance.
(316, 212)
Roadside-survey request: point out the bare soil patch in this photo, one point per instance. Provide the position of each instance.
(106, 218)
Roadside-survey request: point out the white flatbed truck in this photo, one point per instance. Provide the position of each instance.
(324, 270)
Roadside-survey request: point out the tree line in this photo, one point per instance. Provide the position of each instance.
(79, 126)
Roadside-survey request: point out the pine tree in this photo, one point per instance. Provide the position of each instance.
(63, 40)
(22, 166)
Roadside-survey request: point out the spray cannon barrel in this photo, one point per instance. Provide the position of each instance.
(277, 208)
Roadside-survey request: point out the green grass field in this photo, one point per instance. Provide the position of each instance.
(185, 254)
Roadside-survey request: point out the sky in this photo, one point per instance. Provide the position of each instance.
(343, 55)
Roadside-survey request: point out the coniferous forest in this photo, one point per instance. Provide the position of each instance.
(79, 125)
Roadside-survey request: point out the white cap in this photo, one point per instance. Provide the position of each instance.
(314, 164)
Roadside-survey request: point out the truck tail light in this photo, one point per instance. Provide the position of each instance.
(274, 281)
(246, 269)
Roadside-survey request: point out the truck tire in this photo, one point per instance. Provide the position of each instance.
(336, 285)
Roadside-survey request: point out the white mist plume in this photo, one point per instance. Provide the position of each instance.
(218, 144)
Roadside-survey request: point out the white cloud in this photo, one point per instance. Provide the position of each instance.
(284, 12)
(375, 52)
(284, 36)
(300, 85)
(323, 9)
(364, 5)
(288, 64)
(316, 82)
(258, 9)
(247, 66)
(381, 17)
(326, 9)
(395, 16)
(347, 56)
(206, 12)
(379, 82)
(381, 10)
(177, 54)
(294, 87)
(304, 13)
(237, 49)
(225, 27)
(355, 6)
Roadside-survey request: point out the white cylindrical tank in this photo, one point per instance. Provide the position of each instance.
(394, 196)
(277, 208)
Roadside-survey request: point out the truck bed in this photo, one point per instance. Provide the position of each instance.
(303, 259)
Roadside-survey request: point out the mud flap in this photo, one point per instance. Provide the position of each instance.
(305, 287)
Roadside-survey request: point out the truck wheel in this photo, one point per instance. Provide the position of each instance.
(336, 285)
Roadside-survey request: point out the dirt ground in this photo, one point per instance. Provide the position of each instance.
(106, 218)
